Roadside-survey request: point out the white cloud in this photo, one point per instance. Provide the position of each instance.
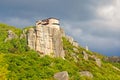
(106, 12)
(110, 12)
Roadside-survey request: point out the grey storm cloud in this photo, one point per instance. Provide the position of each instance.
(64, 9)
(85, 20)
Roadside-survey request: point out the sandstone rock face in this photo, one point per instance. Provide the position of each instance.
(31, 38)
(46, 37)
(86, 73)
(62, 32)
(61, 75)
(71, 40)
(75, 44)
(98, 62)
(11, 35)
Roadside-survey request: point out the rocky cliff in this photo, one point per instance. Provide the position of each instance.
(79, 63)
(46, 37)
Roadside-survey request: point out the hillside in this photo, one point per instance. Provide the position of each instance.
(19, 62)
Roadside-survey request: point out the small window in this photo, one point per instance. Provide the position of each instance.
(55, 24)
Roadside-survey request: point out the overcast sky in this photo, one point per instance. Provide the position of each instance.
(95, 23)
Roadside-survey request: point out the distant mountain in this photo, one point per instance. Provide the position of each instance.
(45, 52)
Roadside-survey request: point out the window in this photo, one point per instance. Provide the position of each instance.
(55, 24)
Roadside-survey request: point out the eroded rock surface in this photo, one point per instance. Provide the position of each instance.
(46, 37)
(98, 62)
(61, 75)
(86, 73)
(71, 40)
(11, 35)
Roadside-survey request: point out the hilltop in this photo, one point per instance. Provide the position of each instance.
(21, 58)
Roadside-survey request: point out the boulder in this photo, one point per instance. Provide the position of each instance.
(71, 40)
(11, 35)
(98, 62)
(76, 50)
(86, 73)
(75, 44)
(61, 75)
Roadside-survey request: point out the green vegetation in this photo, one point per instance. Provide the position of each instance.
(116, 64)
(31, 66)
(3, 68)
(18, 62)
(14, 45)
(106, 72)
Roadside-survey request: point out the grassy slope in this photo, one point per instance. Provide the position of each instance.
(24, 64)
